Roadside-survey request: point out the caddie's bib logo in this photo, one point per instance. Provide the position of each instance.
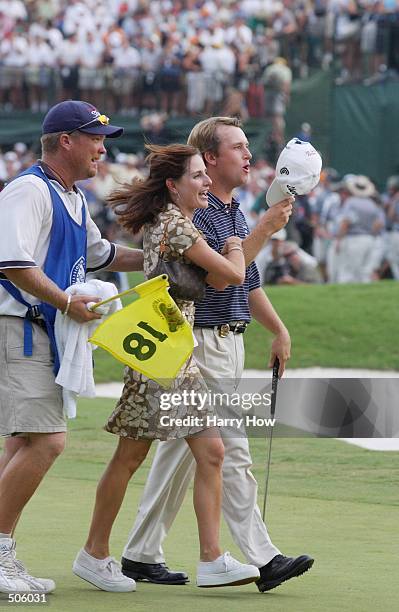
(78, 272)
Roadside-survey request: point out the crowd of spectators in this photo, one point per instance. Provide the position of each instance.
(186, 56)
(344, 231)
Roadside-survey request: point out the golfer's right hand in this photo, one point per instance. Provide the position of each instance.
(281, 348)
(278, 215)
(78, 310)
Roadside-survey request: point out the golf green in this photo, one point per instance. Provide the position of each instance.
(337, 502)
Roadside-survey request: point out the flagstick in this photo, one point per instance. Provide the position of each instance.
(114, 297)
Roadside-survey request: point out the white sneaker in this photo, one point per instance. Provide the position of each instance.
(13, 575)
(225, 571)
(106, 574)
(44, 585)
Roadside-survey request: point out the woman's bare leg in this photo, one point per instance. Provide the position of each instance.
(208, 450)
(111, 490)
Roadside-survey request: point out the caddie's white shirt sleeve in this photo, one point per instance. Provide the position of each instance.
(26, 211)
(26, 216)
(25, 222)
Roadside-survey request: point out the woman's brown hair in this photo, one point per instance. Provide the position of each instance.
(142, 200)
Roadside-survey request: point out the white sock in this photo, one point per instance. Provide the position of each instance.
(89, 556)
(214, 561)
(5, 535)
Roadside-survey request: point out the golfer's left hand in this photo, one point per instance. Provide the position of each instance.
(281, 348)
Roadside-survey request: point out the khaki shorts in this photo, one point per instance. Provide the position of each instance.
(30, 401)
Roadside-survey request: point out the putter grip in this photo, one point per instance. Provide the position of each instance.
(274, 386)
(276, 367)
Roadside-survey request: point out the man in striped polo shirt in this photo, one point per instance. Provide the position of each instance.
(220, 320)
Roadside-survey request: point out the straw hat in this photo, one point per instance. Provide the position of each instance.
(360, 186)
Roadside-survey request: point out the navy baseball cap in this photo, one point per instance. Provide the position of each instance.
(73, 115)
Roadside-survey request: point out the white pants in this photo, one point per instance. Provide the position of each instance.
(196, 91)
(356, 259)
(393, 253)
(333, 262)
(222, 360)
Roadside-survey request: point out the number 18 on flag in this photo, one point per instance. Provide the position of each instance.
(150, 335)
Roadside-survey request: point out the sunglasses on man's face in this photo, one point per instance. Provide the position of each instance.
(102, 119)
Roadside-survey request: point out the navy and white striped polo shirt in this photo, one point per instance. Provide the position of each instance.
(217, 223)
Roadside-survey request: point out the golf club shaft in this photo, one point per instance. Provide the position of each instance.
(276, 367)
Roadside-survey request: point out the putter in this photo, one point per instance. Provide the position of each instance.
(272, 413)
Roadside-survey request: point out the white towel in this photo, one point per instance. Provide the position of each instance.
(75, 352)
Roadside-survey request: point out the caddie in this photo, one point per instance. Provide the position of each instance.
(48, 242)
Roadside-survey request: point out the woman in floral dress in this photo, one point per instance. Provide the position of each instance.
(163, 205)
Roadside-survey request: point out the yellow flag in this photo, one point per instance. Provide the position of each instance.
(150, 335)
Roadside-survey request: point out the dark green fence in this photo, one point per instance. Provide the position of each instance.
(355, 127)
(311, 102)
(25, 127)
(365, 130)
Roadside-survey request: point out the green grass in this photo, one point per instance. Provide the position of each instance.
(331, 326)
(332, 500)
(346, 326)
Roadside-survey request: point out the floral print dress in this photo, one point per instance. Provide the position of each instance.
(138, 411)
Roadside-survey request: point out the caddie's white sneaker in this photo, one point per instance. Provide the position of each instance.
(13, 575)
(225, 571)
(105, 574)
(42, 585)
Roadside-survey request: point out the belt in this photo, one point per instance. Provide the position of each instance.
(236, 327)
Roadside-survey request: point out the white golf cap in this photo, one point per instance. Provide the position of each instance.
(297, 171)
